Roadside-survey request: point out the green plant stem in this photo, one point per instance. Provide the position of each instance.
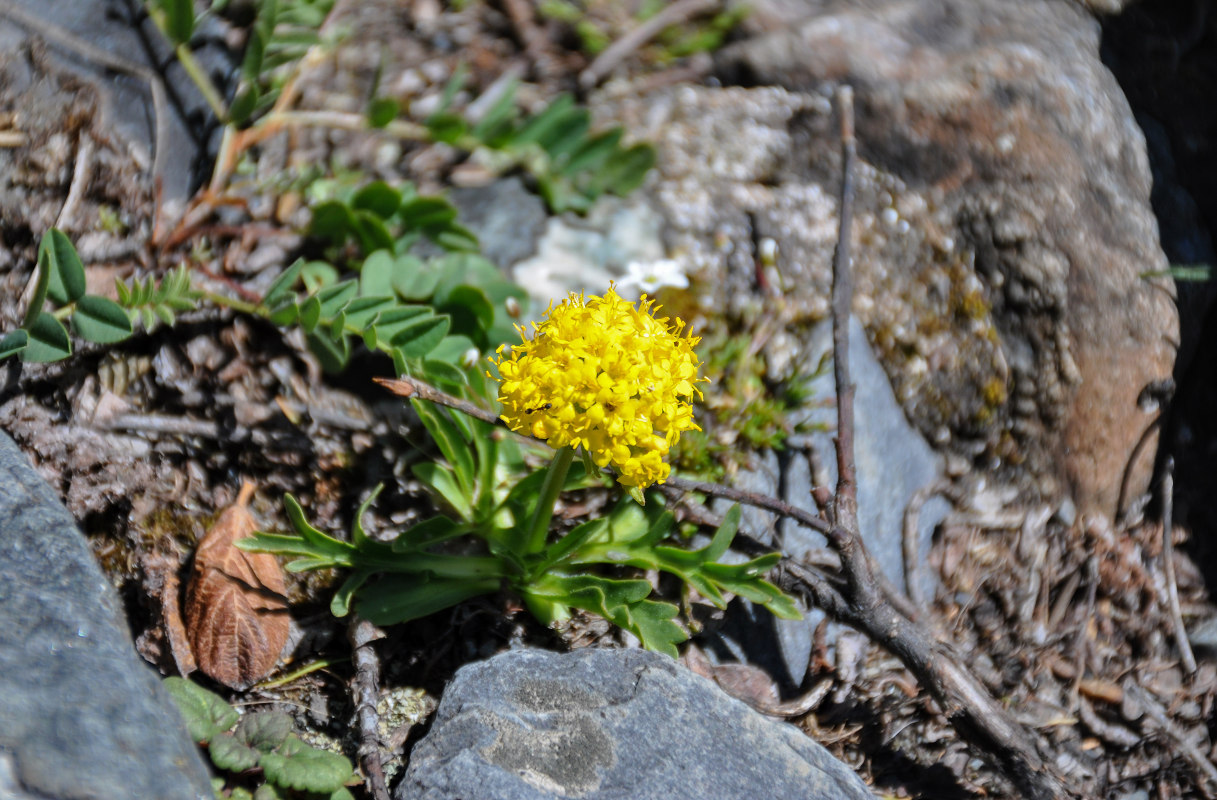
(555, 478)
(206, 88)
(319, 664)
(230, 302)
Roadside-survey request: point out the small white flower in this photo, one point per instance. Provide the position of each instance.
(649, 276)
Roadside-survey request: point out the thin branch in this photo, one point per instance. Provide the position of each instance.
(673, 14)
(1168, 560)
(365, 686)
(406, 386)
(842, 301)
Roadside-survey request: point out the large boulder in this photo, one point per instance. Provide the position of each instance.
(598, 724)
(1002, 226)
(82, 717)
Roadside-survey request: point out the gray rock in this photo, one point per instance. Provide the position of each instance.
(506, 217)
(82, 717)
(1002, 222)
(600, 724)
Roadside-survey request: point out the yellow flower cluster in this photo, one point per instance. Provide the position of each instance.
(604, 374)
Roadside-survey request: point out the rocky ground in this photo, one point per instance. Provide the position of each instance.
(1016, 339)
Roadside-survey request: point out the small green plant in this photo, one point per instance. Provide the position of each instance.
(595, 367)
(259, 750)
(60, 279)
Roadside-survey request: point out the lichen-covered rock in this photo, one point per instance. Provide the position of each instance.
(1002, 223)
(598, 724)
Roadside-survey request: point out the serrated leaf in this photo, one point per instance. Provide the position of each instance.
(56, 254)
(231, 755)
(48, 340)
(102, 321)
(377, 197)
(308, 770)
(13, 343)
(205, 713)
(265, 730)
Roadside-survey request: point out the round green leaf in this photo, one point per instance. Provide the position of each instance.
(229, 754)
(332, 220)
(48, 340)
(382, 111)
(264, 731)
(102, 321)
(205, 713)
(378, 197)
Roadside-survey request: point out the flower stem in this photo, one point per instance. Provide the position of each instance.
(555, 478)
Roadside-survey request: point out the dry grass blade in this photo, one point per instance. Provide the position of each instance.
(236, 606)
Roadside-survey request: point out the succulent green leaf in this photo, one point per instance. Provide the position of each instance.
(48, 340)
(372, 232)
(471, 311)
(378, 198)
(264, 731)
(58, 257)
(334, 298)
(13, 343)
(443, 482)
(99, 320)
(205, 713)
(414, 280)
(308, 770)
(376, 274)
(427, 533)
(340, 605)
(392, 322)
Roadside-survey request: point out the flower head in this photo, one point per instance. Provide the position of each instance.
(607, 375)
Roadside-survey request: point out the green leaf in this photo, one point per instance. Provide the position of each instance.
(361, 312)
(340, 605)
(205, 713)
(359, 536)
(333, 355)
(372, 232)
(66, 274)
(332, 220)
(593, 152)
(376, 274)
(470, 309)
(266, 791)
(317, 275)
(568, 544)
(426, 533)
(334, 298)
(243, 105)
(101, 321)
(419, 338)
(265, 730)
(414, 280)
(451, 442)
(626, 172)
(399, 598)
(179, 19)
(424, 213)
(281, 288)
(231, 755)
(308, 770)
(496, 125)
(392, 322)
(48, 340)
(13, 343)
(452, 349)
(541, 126)
(310, 314)
(443, 482)
(379, 198)
(382, 111)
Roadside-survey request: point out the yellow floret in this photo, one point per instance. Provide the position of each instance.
(607, 375)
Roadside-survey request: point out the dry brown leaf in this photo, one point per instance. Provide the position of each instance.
(236, 603)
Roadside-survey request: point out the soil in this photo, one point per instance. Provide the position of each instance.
(149, 440)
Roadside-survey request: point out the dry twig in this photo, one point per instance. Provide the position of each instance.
(612, 55)
(1168, 562)
(365, 686)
